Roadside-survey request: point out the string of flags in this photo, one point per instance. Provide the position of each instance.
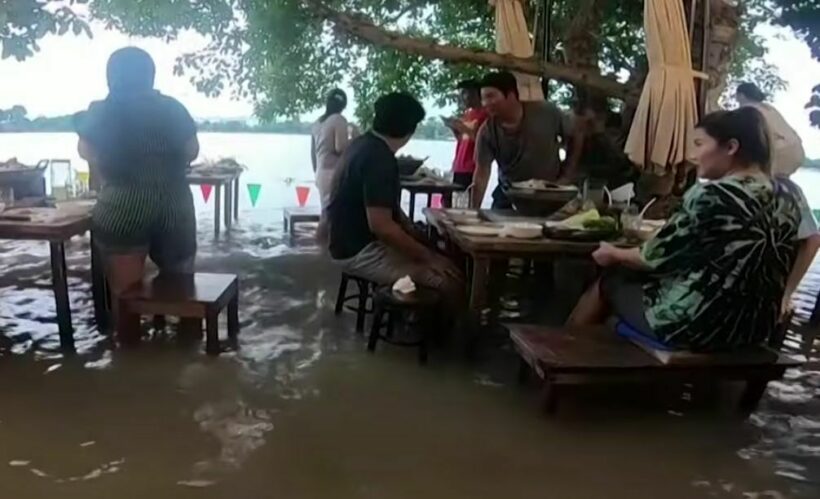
(302, 193)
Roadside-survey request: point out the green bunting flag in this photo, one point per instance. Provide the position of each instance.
(253, 192)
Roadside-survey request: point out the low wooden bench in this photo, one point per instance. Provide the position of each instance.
(199, 296)
(597, 355)
(293, 216)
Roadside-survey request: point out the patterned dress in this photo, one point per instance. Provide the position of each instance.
(720, 264)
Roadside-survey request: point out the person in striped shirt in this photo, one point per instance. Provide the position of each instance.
(139, 144)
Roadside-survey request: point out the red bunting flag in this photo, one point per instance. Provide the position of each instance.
(302, 194)
(435, 201)
(206, 191)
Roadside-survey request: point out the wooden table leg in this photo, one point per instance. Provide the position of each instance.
(233, 321)
(236, 198)
(496, 282)
(60, 281)
(217, 208)
(478, 284)
(212, 332)
(447, 199)
(429, 200)
(228, 206)
(98, 289)
(412, 210)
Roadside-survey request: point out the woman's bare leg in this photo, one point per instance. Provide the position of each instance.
(591, 308)
(123, 272)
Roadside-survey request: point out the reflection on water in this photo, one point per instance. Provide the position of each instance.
(301, 411)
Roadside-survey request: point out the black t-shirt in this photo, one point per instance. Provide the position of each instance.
(139, 138)
(368, 176)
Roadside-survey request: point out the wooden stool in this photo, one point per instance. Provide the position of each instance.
(386, 302)
(596, 355)
(362, 296)
(199, 296)
(293, 216)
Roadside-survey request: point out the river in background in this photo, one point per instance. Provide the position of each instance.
(301, 411)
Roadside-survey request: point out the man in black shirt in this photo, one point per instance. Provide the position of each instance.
(369, 235)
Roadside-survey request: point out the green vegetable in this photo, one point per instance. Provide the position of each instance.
(602, 224)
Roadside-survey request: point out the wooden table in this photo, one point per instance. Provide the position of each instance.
(429, 187)
(486, 250)
(230, 181)
(57, 232)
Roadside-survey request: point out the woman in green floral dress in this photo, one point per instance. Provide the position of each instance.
(713, 278)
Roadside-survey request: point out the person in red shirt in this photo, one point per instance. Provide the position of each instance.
(465, 130)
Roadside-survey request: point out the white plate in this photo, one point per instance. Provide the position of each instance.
(480, 230)
(462, 212)
(522, 230)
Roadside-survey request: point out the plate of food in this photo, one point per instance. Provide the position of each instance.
(459, 216)
(585, 226)
(535, 184)
(522, 230)
(480, 230)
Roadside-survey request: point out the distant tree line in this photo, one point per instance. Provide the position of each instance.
(16, 120)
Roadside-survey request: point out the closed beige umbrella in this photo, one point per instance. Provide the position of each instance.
(661, 132)
(513, 37)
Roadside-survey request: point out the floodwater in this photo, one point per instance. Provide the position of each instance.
(302, 411)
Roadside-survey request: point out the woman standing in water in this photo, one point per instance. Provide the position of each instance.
(329, 138)
(139, 143)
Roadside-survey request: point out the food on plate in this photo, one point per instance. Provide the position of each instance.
(601, 224)
(577, 221)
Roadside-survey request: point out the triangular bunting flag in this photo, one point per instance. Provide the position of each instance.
(302, 194)
(253, 192)
(206, 191)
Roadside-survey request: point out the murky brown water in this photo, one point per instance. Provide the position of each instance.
(301, 411)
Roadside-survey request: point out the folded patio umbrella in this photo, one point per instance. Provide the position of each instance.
(661, 132)
(513, 37)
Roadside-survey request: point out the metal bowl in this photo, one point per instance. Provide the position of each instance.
(540, 203)
(408, 165)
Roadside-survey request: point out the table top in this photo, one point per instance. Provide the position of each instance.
(430, 186)
(46, 224)
(201, 288)
(211, 178)
(507, 246)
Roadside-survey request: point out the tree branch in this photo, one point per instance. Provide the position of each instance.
(363, 29)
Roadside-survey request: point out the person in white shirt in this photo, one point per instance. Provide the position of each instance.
(787, 155)
(329, 139)
(787, 148)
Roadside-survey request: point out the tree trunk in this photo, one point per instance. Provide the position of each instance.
(723, 38)
(363, 29)
(581, 37)
(581, 45)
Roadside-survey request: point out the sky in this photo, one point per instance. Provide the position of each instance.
(69, 72)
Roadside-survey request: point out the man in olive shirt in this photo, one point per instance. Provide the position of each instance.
(522, 137)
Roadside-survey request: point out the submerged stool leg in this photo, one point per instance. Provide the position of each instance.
(375, 327)
(364, 293)
(212, 332)
(340, 297)
(233, 321)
